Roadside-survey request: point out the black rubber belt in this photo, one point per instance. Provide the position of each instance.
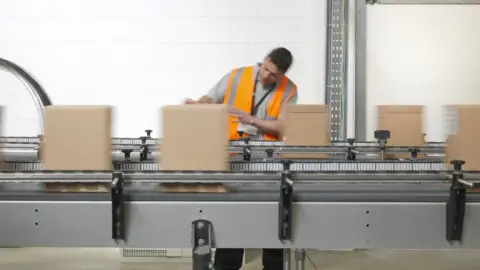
(252, 196)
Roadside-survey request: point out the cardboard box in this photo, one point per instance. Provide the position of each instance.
(405, 123)
(2, 121)
(41, 139)
(195, 137)
(307, 125)
(462, 135)
(77, 138)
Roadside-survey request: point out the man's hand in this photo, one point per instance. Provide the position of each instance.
(190, 101)
(243, 117)
(202, 100)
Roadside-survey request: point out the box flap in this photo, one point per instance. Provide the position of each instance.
(191, 107)
(307, 108)
(400, 109)
(462, 106)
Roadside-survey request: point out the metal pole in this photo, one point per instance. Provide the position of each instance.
(360, 70)
(300, 258)
(336, 71)
(287, 259)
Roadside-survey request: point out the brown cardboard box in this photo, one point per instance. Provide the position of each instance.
(77, 138)
(2, 121)
(195, 137)
(307, 125)
(405, 123)
(41, 139)
(462, 135)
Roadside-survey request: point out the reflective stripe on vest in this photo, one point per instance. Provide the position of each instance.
(239, 95)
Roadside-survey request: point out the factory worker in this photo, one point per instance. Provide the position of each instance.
(257, 96)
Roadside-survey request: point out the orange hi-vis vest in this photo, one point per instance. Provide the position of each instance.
(239, 95)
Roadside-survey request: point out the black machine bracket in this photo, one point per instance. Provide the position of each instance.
(247, 149)
(202, 243)
(127, 153)
(382, 137)
(414, 153)
(270, 152)
(352, 153)
(144, 151)
(455, 207)
(285, 204)
(118, 207)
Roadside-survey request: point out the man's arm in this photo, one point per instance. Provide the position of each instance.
(275, 127)
(216, 94)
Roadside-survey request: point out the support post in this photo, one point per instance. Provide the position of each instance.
(300, 258)
(287, 259)
(360, 70)
(285, 205)
(118, 207)
(336, 70)
(202, 245)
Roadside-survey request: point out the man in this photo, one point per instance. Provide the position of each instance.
(257, 97)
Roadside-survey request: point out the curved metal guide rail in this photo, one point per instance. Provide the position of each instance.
(36, 91)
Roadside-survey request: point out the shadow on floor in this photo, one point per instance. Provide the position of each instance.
(109, 259)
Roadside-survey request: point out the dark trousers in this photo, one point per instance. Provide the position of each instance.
(232, 259)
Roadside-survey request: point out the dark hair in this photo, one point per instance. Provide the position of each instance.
(282, 58)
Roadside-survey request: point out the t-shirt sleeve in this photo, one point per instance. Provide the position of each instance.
(294, 99)
(217, 92)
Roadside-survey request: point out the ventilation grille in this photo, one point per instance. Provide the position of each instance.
(153, 253)
(143, 253)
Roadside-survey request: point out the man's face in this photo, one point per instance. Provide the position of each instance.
(269, 73)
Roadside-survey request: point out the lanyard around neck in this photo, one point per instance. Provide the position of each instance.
(254, 108)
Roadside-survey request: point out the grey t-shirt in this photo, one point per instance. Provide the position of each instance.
(217, 94)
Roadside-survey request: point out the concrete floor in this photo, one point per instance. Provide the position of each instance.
(109, 259)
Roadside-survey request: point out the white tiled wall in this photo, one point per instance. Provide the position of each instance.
(425, 55)
(141, 54)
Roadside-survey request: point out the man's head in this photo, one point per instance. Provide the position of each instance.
(275, 65)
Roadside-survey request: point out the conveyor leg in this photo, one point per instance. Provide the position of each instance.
(202, 245)
(287, 262)
(300, 258)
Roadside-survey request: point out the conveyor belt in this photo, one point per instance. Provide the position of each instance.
(341, 154)
(276, 165)
(359, 192)
(335, 204)
(391, 186)
(237, 148)
(34, 141)
(235, 176)
(279, 146)
(330, 210)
